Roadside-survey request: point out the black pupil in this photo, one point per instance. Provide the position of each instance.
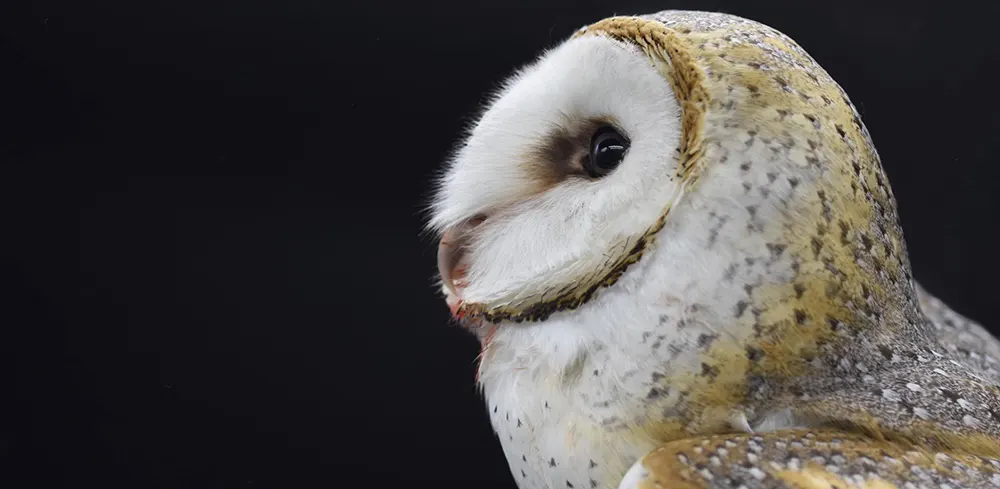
(607, 149)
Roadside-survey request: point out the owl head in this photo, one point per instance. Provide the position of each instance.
(666, 161)
(573, 161)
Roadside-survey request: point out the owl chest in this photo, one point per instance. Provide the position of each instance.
(555, 437)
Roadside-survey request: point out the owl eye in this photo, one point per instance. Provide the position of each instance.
(607, 149)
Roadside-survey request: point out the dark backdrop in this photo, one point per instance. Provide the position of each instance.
(213, 273)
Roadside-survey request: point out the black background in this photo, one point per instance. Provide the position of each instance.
(213, 272)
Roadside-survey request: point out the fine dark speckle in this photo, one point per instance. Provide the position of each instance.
(741, 307)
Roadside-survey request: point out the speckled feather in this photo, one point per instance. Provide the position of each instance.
(802, 459)
(962, 337)
(819, 325)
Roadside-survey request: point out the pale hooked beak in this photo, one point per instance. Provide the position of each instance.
(451, 251)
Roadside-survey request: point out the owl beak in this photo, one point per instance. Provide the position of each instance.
(451, 253)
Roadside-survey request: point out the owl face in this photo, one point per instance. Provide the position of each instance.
(574, 159)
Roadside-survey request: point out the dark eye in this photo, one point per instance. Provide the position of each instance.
(607, 149)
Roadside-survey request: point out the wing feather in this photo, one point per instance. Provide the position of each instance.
(963, 337)
(806, 459)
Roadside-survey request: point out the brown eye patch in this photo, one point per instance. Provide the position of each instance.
(564, 152)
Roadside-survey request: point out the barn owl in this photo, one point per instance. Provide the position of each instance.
(674, 239)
